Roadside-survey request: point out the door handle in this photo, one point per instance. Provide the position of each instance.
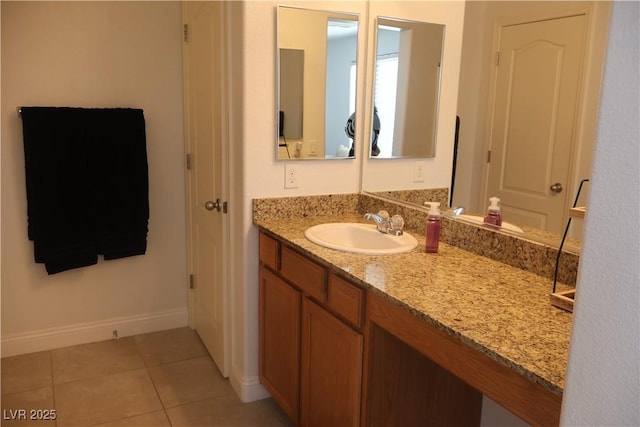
(556, 188)
(209, 205)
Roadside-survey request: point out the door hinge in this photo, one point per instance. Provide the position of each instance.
(497, 58)
(188, 161)
(192, 281)
(185, 32)
(489, 156)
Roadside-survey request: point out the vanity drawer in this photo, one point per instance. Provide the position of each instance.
(346, 299)
(304, 273)
(268, 251)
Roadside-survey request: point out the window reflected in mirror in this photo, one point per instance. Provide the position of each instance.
(406, 88)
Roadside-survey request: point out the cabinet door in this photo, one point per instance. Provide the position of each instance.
(280, 341)
(331, 369)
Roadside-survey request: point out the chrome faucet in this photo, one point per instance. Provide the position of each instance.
(385, 224)
(453, 212)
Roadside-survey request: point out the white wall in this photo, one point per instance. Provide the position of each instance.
(341, 53)
(94, 54)
(263, 176)
(603, 380)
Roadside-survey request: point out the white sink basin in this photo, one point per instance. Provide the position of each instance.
(480, 221)
(359, 238)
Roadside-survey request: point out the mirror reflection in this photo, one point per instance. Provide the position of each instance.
(317, 61)
(406, 88)
(476, 88)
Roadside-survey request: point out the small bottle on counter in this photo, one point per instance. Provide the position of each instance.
(432, 228)
(494, 216)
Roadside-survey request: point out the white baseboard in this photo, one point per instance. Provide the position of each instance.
(248, 389)
(47, 339)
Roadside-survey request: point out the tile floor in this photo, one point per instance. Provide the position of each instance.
(159, 379)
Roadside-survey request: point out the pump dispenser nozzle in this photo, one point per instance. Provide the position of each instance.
(434, 208)
(494, 204)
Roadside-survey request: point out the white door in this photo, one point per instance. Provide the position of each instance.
(533, 130)
(203, 51)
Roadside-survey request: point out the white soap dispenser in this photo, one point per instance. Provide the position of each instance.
(494, 215)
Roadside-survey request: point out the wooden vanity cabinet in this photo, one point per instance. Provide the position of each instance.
(417, 374)
(311, 343)
(331, 369)
(280, 341)
(333, 354)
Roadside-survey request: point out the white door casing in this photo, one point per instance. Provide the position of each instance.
(533, 119)
(207, 172)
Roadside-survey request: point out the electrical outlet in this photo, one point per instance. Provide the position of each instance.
(418, 171)
(290, 176)
(312, 151)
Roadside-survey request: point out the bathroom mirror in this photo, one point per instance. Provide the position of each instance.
(478, 57)
(406, 88)
(317, 69)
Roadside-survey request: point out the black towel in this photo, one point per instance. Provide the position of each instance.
(122, 205)
(87, 184)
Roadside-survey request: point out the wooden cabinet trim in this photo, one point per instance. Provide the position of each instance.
(523, 397)
(310, 277)
(331, 369)
(280, 376)
(346, 299)
(269, 249)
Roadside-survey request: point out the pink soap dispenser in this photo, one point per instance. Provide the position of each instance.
(494, 215)
(432, 228)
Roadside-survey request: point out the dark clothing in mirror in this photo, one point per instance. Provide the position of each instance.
(350, 130)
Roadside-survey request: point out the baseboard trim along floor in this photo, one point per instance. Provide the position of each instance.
(51, 338)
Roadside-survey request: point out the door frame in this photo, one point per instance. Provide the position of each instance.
(226, 170)
(597, 14)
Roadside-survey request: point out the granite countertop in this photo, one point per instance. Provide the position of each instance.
(497, 309)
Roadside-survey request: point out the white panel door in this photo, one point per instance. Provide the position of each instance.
(205, 129)
(535, 111)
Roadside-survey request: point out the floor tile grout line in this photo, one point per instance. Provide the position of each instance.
(53, 388)
(130, 417)
(155, 388)
(145, 366)
(146, 362)
(173, 362)
(203, 400)
(125, 371)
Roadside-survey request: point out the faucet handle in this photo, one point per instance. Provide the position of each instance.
(397, 222)
(396, 225)
(384, 215)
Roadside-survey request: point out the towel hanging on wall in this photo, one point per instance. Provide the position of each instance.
(87, 184)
